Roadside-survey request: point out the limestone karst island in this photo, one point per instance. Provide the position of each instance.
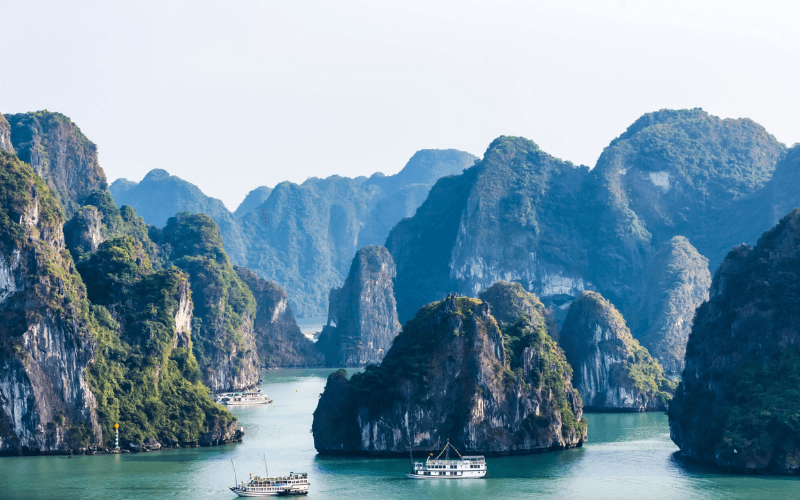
(430, 250)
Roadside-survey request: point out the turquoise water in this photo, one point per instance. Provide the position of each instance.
(629, 456)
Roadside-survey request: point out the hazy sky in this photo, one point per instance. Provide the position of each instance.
(233, 95)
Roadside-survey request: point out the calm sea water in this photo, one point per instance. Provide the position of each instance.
(629, 456)
(312, 324)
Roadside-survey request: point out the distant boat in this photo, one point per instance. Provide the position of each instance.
(467, 467)
(242, 398)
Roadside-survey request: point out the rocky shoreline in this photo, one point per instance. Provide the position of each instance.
(147, 446)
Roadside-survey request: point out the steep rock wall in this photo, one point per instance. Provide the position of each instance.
(675, 285)
(448, 376)
(612, 371)
(278, 338)
(59, 152)
(738, 403)
(5, 135)
(46, 344)
(362, 315)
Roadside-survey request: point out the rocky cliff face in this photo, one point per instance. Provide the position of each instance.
(84, 232)
(224, 308)
(558, 229)
(451, 375)
(46, 404)
(362, 315)
(278, 338)
(59, 152)
(5, 135)
(612, 371)
(738, 403)
(144, 374)
(676, 283)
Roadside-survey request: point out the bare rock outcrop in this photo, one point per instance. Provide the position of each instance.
(278, 338)
(59, 152)
(675, 285)
(83, 233)
(612, 371)
(5, 135)
(362, 315)
(46, 405)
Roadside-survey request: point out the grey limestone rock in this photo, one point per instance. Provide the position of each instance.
(612, 371)
(675, 285)
(362, 315)
(449, 376)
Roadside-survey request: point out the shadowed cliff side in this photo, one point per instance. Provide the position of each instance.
(362, 316)
(676, 283)
(450, 375)
(278, 338)
(612, 371)
(738, 403)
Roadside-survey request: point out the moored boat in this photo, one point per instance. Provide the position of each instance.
(466, 467)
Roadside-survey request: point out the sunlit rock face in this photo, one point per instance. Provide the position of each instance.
(558, 229)
(362, 316)
(450, 375)
(612, 372)
(46, 404)
(60, 154)
(5, 135)
(738, 402)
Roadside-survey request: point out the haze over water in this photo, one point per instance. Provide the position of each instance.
(628, 456)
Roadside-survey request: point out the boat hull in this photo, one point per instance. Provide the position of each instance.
(300, 490)
(480, 475)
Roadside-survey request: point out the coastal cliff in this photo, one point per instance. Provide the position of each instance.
(46, 404)
(612, 371)
(5, 135)
(144, 374)
(453, 374)
(362, 315)
(223, 333)
(278, 338)
(738, 403)
(60, 154)
(675, 285)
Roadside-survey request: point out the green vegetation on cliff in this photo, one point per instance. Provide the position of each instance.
(58, 152)
(223, 303)
(144, 376)
(18, 184)
(447, 362)
(739, 404)
(614, 371)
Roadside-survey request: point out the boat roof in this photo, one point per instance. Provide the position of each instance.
(473, 456)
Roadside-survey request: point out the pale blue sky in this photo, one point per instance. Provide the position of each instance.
(233, 95)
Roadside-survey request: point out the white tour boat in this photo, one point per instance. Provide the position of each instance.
(296, 483)
(293, 484)
(467, 467)
(242, 398)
